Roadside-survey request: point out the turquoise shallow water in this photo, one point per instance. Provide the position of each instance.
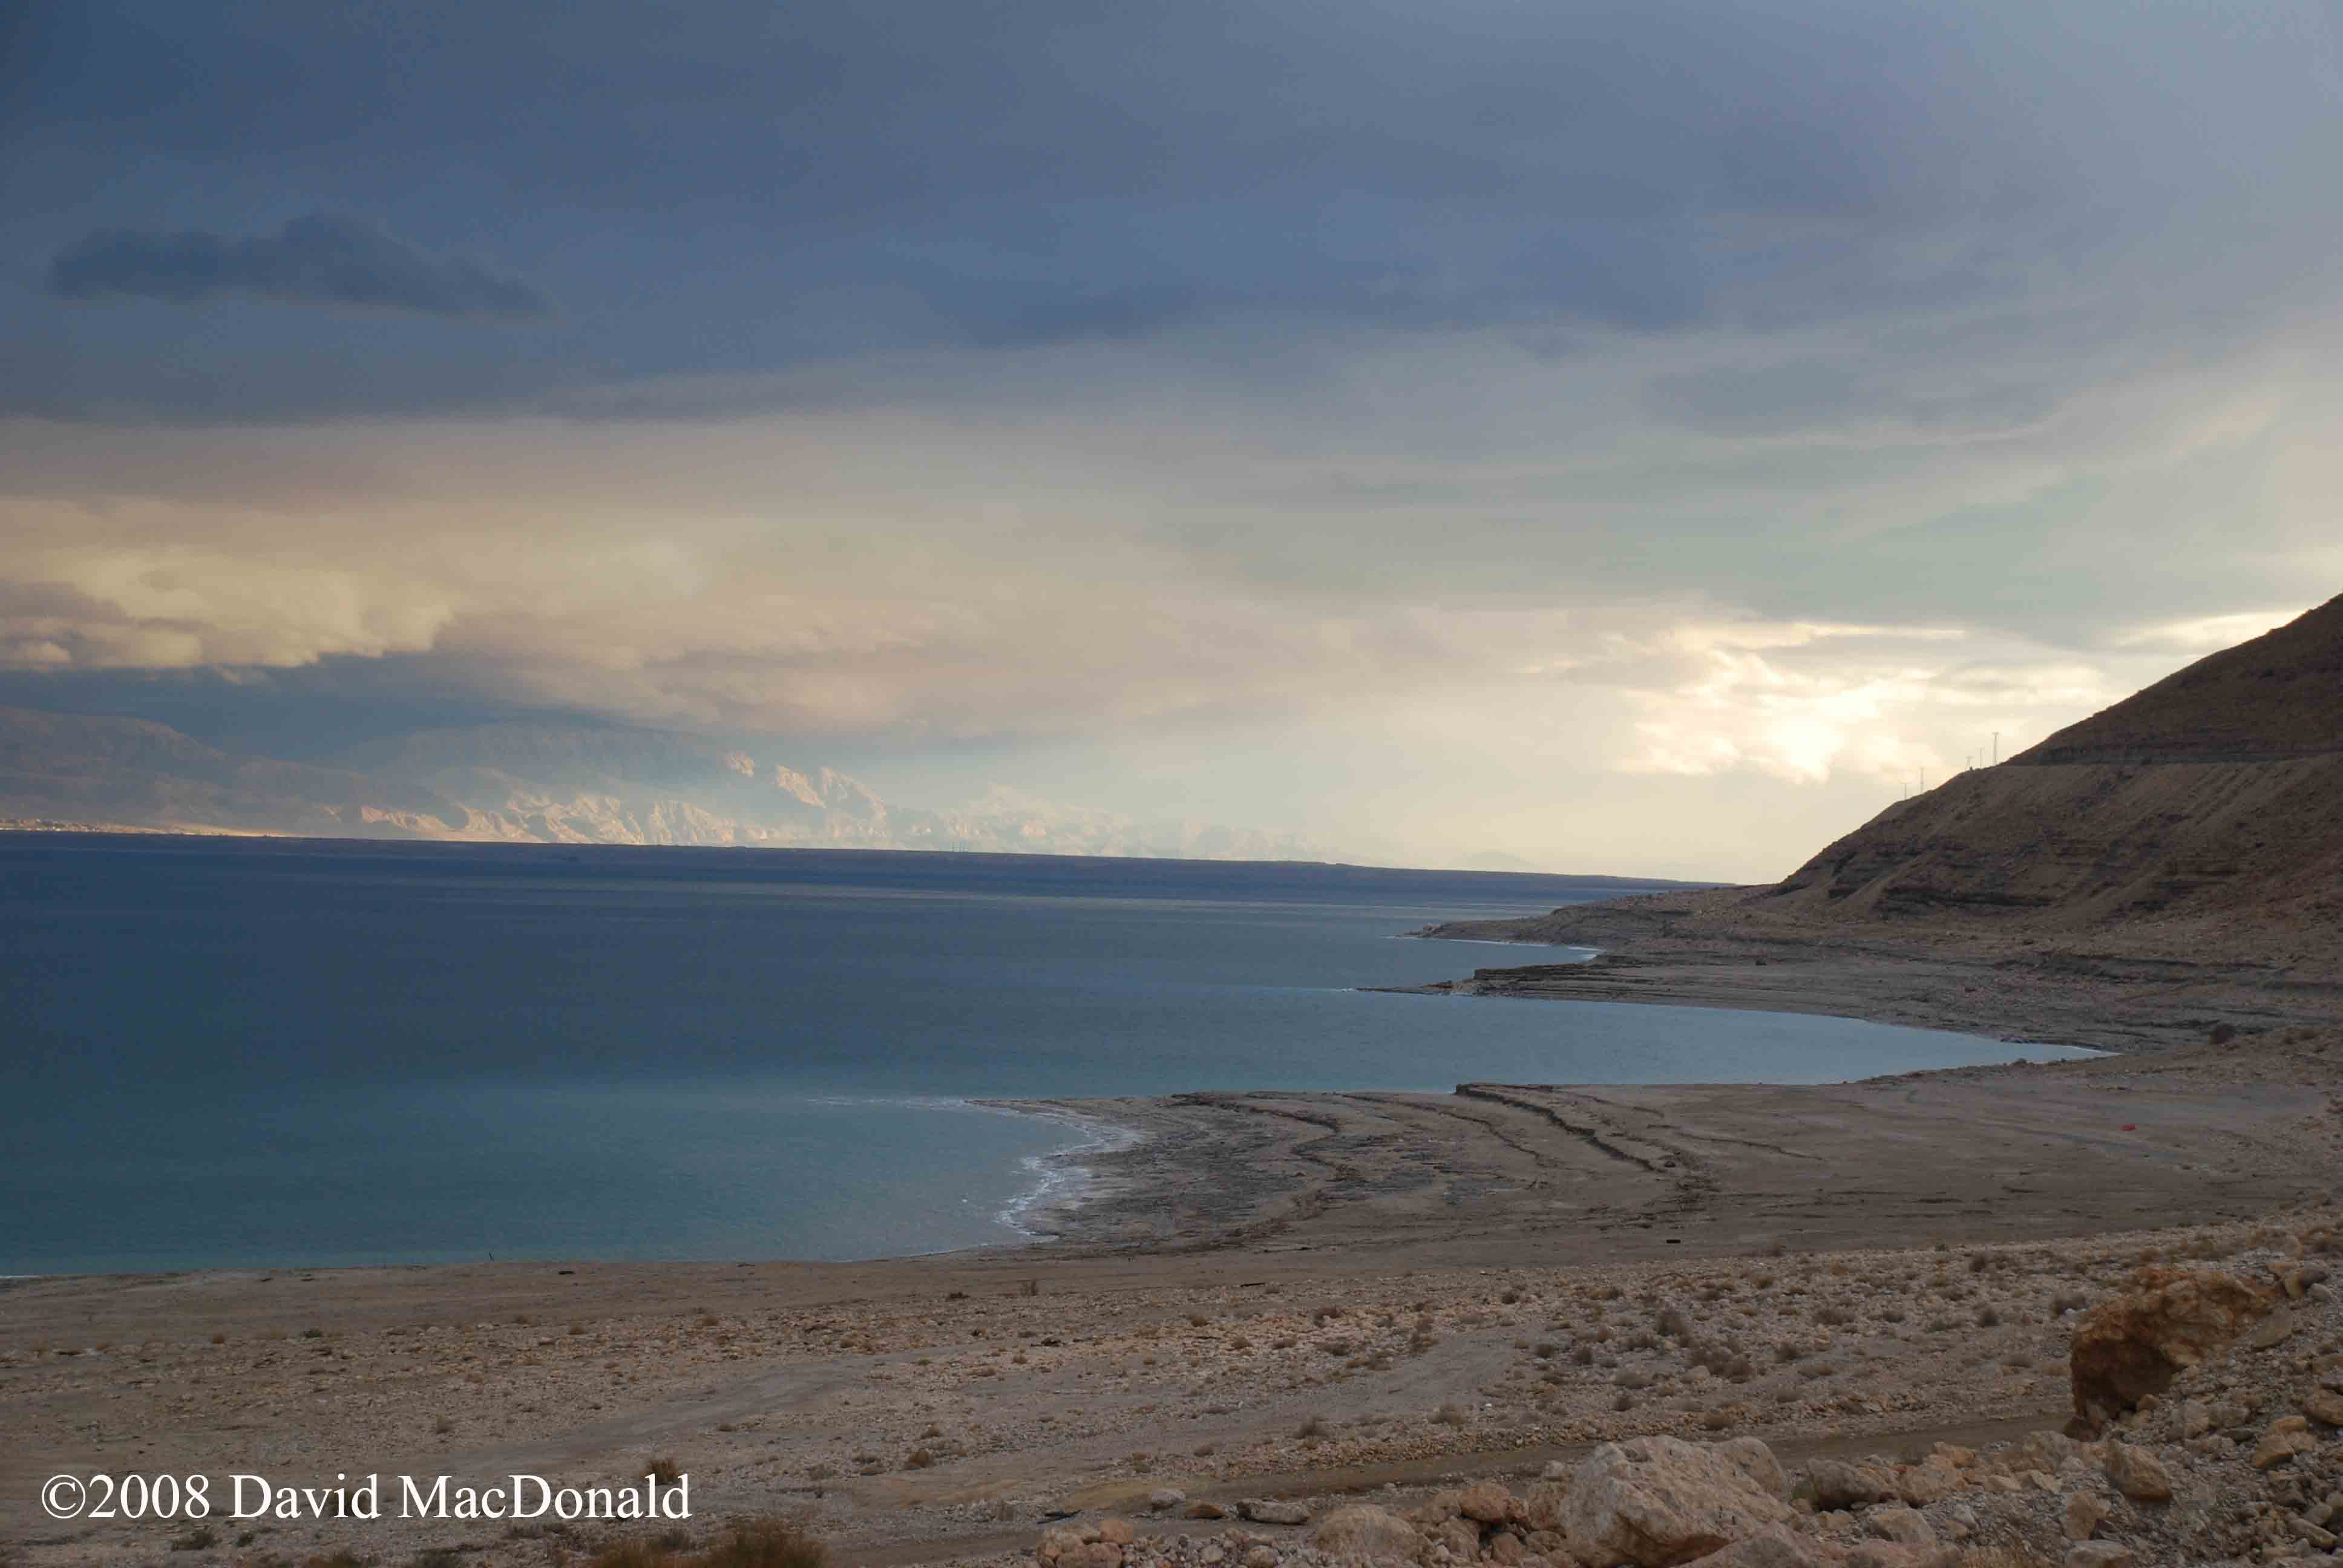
(223, 1053)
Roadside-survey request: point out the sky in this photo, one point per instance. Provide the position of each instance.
(1644, 437)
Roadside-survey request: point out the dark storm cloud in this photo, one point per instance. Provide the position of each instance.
(735, 188)
(709, 173)
(316, 260)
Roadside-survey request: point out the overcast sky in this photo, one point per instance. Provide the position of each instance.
(1638, 437)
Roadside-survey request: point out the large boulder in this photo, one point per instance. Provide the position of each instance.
(1757, 1462)
(1659, 1500)
(2134, 1345)
(1485, 1503)
(1839, 1483)
(1370, 1533)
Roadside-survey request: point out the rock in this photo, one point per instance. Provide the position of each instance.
(1116, 1532)
(1555, 1469)
(1260, 1557)
(1505, 1549)
(1836, 1483)
(1364, 1530)
(2196, 1420)
(1461, 1536)
(2272, 1331)
(1199, 1509)
(1486, 1501)
(1755, 1460)
(1057, 1542)
(2137, 1473)
(1273, 1511)
(2100, 1555)
(1774, 1547)
(2286, 1436)
(1541, 1510)
(1896, 1522)
(1165, 1497)
(2324, 1406)
(1834, 1522)
(2084, 1512)
(1890, 1555)
(1093, 1554)
(2134, 1345)
(1659, 1500)
(2045, 1451)
(1921, 1485)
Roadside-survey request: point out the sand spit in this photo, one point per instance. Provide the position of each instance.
(2133, 991)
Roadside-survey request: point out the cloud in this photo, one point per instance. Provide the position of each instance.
(320, 259)
(769, 210)
(2202, 634)
(1699, 401)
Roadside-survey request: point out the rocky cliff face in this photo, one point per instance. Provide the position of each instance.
(538, 783)
(2212, 799)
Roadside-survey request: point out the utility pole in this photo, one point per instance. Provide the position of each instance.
(1996, 748)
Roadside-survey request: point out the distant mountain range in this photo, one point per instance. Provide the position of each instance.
(543, 784)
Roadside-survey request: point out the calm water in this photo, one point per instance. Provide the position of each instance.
(222, 1052)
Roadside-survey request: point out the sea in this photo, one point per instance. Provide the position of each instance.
(276, 1053)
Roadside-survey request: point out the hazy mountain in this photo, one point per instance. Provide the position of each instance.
(541, 783)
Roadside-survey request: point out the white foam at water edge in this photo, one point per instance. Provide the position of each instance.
(1059, 1177)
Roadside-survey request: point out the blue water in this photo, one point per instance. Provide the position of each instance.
(223, 1053)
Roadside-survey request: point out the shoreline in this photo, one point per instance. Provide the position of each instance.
(1063, 1177)
(1274, 1291)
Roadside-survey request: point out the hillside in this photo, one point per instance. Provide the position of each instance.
(2211, 802)
(2198, 823)
(2274, 698)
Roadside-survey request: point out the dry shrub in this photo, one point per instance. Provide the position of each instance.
(759, 1543)
(631, 1555)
